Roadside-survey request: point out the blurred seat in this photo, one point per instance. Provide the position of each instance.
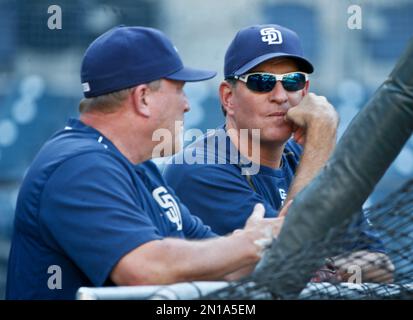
(388, 31)
(82, 21)
(51, 113)
(8, 31)
(25, 139)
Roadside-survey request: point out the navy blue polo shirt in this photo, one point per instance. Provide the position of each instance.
(210, 183)
(216, 191)
(81, 207)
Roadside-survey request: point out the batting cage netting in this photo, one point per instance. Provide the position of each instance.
(392, 219)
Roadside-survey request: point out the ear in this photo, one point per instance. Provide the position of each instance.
(306, 88)
(140, 100)
(226, 95)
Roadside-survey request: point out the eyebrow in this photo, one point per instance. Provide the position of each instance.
(264, 71)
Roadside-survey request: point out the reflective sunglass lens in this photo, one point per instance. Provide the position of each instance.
(261, 82)
(293, 81)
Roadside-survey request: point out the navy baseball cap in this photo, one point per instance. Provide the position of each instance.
(256, 44)
(124, 57)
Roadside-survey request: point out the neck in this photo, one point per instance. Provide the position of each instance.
(117, 128)
(270, 153)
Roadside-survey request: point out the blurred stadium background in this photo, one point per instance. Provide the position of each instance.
(39, 67)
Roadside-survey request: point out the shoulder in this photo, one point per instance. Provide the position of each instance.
(212, 147)
(204, 179)
(91, 175)
(70, 145)
(213, 151)
(73, 158)
(201, 171)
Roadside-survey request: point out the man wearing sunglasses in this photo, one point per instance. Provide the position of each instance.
(266, 87)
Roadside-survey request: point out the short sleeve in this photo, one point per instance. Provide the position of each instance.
(91, 211)
(193, 227)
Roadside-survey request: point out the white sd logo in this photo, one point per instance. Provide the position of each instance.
(167, 202)
(271, 35)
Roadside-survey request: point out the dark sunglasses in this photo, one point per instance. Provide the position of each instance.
(265, 82)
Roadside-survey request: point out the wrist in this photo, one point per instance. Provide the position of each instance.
(250, 251)
(327, 123)
(321, 134)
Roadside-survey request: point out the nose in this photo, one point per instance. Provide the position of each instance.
(278, 94)
(186, 103)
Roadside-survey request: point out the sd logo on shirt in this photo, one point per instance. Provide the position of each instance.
(167, 202)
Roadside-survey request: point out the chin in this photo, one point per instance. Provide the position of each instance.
(276, 136)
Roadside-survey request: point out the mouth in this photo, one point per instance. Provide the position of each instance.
(277, 114)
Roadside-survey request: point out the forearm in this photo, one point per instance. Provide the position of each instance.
(319, 144)
(240, 273)
(209, 259)
(176, 260)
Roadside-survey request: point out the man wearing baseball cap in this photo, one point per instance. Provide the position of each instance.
(266, 88)
(93, 210)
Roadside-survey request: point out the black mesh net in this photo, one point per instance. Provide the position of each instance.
(346, 263)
